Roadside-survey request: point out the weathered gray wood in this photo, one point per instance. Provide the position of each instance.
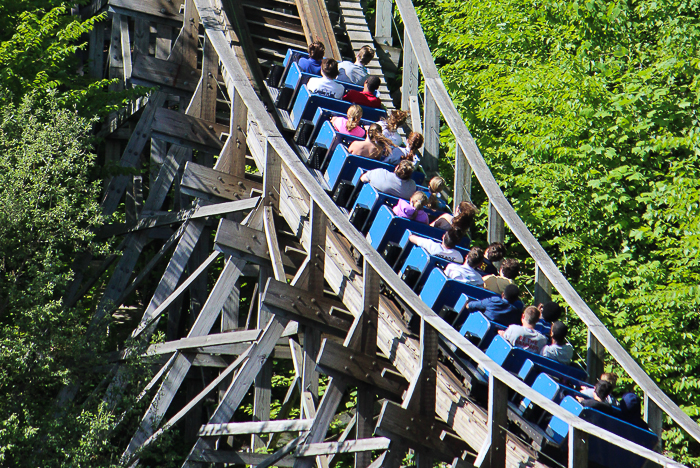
(157, 220)
(463, 178)
(431, 133)
(232, 158)
(411, 72)
(414, 109)
(243, 242)
(283, 452)
(159, 149)
(96, 50)
(543, 288)
(493, 452)
(210, 70)
(204, 341)
(328, 448)
(142, 33)
(262, 427)
(595, 358)
(241, 458)
(116, 58)
(185, 130)
(171, 77)
(185, 48)
(273, 245)
(262, 395)
(289, 401)
(382, 29)
(125, 47)
(654, 417)
(317, 25)
(271, 178)
(241, 383)
(496, 228)
(163, 40)
(150, 10)
(578, 448)
(207, 183)
(231, 310)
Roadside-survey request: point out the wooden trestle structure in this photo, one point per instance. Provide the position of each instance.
(207, 119)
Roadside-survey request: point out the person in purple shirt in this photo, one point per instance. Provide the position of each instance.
(313, 63)
(414, 209)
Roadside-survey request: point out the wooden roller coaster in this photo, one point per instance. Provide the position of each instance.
(225, 185)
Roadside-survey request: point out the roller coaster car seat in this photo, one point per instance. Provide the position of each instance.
(317, 156)
(303, 133)
(342, 193)
(358, 217)
(284, 98)
(391, 252)
(448, 314)
(410, 276)
(275, 75)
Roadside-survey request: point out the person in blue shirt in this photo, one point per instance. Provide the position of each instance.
(313, 63)
(506, 309)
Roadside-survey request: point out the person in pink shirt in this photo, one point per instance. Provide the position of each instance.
(351, 124)
(413, 209)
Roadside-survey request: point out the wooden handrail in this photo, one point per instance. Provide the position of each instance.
(419, 45)
(237, 83)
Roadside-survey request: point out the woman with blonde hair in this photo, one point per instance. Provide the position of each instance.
(351, 124)
(413, 209)
(374, 146)
(436, 186)
(389, 125)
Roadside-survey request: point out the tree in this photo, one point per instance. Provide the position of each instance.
(586, 114)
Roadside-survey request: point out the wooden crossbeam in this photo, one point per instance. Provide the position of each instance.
(255, 427)
(246, 243)
(203, 182)
(184, 130)
(174, 78)
(349, 446)
(152, 10)
(273, 245)
(204, 341)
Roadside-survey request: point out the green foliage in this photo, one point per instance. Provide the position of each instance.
(586, 114)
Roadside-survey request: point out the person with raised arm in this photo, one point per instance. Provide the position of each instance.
(443, 249)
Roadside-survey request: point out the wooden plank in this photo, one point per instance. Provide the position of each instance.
(204, 341)
(210, 70)
(336, 360)
(164, 34)
(493, 452)
(262, 393)
(241, 382)
(431, 133)
(158, 11)
(317, 247)
(185, 48)
(188, 131)
(595, 358)
(271, 178)
(173, 77)
(414, 108)
(349, 446)
(232, 158)
(273, 245)
(96, 50)
(203, 182)
(654, 418)
(317, 25)
(239, 458)
(305, 308)
(543, 288)
(116, 57)
(231, 310)
(463, 178)
(578, 448)
(245, 243)
(382, 29)
(428, 383)
(496, 228)
(410, 72)
(259, 427)
(125, 47)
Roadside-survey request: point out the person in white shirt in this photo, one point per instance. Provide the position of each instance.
(324, 85)
(445, 249)
(390, 124)
(525, 336)
(559, 350)
(467, 272)
(356, 72)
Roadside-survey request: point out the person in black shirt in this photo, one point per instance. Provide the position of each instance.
(602, 390)
(632, 410)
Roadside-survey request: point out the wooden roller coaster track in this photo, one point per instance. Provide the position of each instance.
(206, 123)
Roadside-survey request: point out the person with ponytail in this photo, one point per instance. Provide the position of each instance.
(435, 201)
(462, 220)
(413, 144)
(351, 124)
(375, 145)
(394, 121)
(414, 209)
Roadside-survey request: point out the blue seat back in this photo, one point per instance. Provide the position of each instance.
(429, 232)
(477, 325)
(343, 166)
(439, 291)
(292, 56)
(324, 115)
(601, 451)
(328, 137)
(305, 106)
(419, 259)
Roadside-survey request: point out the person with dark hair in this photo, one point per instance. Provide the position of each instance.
(313, 63)
(356, 72)
(374, 146)
(608, 377)
(462, 219)
(397, 183)
(601, 392)
(505, 309)
(395, 119)
(466, 273)
(324, 85)
(445, 249)
(524, 335)
(493, 253)
(631, 409)
(367, 96)
(414, 142)
(559, 350)
(510, 269)
(550, 311)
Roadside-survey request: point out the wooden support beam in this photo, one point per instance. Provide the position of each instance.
(496, 228)
(349, 446)
(134, 199)
(493, 452)
(273, 245)
(142, 33)
(116, 57)
(240, 458)
(654, 417)
(210, 70)
(431, 133)
(543, 288)
(271, 177)
(185, 48)
(414, 109)
(205, 341)
(336, 360)
(463, 178)
(96, 50)
(211, 184)
(164, 35)
(595, 358)
(190, 132)
(382, 29)
(262, 393)
(259, 427)
(231, 310)
(232, 158)
(171, 77)
(578, 448)
(158, 11)
(243, 242)
(317, 25)
(411, 73)
(125, 47)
